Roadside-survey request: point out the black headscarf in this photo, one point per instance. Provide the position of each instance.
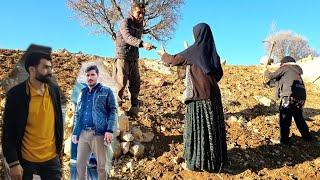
(203, 52)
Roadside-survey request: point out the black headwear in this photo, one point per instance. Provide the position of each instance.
(287, 59)
(203, 52)
(34, 53)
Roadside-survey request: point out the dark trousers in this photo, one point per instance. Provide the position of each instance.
(286, 114)
(124, 71)
(49, 170)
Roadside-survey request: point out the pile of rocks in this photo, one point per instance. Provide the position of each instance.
(130, 139)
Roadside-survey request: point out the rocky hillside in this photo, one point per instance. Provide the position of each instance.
(251, 116)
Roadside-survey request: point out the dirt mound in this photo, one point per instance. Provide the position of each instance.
(252, 126)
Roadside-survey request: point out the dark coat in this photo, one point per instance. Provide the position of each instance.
(128, 40)
(205, 86)
(15, 119)
(288, 81)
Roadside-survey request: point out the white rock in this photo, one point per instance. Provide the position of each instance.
(232, 119)
(137, 150)
(264, 100)
(125, 136)
(129, 166)
(125, 147)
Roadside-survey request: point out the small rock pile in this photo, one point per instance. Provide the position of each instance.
(130, 139)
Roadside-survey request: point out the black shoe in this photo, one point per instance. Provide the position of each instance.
(133, 111)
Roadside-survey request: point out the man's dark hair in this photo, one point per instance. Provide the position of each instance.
(34, 60)
(34, 54)
(287, 59)
(135, 5)
(92, 67)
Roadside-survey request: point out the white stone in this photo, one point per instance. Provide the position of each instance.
(129, 166)
(232, 119)
(125, 136)
(125, 147)
(137, 150)
(264, 100)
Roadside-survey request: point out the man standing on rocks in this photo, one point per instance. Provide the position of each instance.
(291, 90)
(126, 67)
(94, 123)
(33, 124)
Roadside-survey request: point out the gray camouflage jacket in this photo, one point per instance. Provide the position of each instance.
(128, 40)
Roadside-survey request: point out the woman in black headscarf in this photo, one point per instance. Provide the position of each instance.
(205, 147)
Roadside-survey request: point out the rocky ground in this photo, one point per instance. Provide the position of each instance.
(251, 114)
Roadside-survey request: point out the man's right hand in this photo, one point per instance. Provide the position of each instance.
(74, 139)
(147, 46)
(16, 172)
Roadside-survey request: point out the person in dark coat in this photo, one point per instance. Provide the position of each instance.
(205, 147)
(292, 93)
(126, 65)
(33, 123)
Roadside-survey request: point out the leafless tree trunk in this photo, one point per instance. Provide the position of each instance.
(105, 16)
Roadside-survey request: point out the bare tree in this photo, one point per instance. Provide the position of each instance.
(105, 16)
(289, 44)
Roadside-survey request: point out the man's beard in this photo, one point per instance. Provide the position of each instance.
(92, 83)
(44, 78)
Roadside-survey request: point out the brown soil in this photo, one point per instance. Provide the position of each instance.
(252, 153)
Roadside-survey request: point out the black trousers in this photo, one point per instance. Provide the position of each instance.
(50, 170)
(286, 114)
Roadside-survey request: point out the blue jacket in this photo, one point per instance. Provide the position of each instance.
(104, 111)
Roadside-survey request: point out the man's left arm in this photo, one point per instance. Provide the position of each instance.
(112, 112)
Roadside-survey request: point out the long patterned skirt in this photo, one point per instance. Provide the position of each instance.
(205, 147)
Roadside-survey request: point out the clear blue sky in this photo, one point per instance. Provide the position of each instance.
(238, 26)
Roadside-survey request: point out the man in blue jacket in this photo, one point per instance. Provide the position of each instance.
(94, 123)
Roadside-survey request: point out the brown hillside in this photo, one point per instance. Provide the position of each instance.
(251, 127)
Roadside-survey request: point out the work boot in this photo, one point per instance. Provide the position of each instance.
(133, 111)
